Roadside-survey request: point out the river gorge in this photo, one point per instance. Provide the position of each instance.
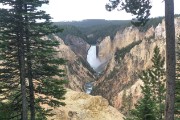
(94, 62)
(118, 59)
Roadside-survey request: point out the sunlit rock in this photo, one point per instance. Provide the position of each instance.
(81, 106)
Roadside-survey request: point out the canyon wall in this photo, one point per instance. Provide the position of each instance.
(79, 46)
(131, 52)
(104, 49)
(78, 71)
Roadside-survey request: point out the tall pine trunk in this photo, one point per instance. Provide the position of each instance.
(22, 78)
(170, 59)
(29, 67)
(21, 57)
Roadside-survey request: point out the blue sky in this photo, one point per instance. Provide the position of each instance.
(74, 10)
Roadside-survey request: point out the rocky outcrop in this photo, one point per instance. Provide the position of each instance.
(78, 71)
(79, 46)
(81, 106)
(150, 33)
(121, 73)
(104, 49)
(134, 93)
(126, 37)
(160, 31)
(127, 80)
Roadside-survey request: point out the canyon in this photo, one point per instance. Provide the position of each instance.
(119, 60)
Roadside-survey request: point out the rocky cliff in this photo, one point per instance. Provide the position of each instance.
(81, 106)
(104, 49)
(131, 51)
(79, 46)
(78, 72)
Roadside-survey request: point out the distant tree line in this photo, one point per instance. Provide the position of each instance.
(153, 22)
(93, 31)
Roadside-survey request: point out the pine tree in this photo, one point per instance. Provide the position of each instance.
(24, 49)
(124, 103)
(12, 54)
(146, 107)
(127, 103)
(177, 89)
(157, 74)
(151, 106)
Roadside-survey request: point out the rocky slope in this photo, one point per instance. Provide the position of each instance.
(131, 51)
(81, 106)
(79, 46)
(104, 49)
(77, 71)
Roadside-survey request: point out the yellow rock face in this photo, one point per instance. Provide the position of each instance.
(123, 74)
(105, 48)
(81, 106)
(76, 73)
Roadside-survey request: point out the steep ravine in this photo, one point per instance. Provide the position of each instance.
(78, 71)
(97, 64)
(80, 105)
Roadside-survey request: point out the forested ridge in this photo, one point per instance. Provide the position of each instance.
(93, 30)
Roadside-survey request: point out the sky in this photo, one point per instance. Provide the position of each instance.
(75, 10)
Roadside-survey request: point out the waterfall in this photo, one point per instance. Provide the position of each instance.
(92, 59)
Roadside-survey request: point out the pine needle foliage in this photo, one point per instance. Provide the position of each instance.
(25, 50)
(151, 105)
(177, 88)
